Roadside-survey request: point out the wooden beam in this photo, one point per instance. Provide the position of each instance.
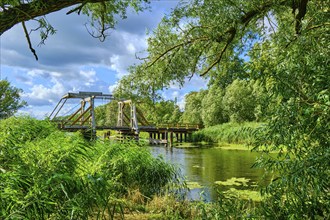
(80, 116)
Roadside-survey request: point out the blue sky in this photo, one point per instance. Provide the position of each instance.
(72, 60)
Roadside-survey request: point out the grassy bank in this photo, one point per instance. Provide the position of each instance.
(228, 133)
(228, 206)
(49, 174)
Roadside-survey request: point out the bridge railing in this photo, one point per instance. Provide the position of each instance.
(178, 126)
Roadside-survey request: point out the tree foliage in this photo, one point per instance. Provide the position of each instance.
(212, 111)
(286, 48)
(239, 102)
(163, 112)
(9, 99)
(193, 107)
(198, 35)
(101, 12)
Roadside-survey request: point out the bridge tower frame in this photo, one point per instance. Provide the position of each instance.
(123, 119)
(84, 117)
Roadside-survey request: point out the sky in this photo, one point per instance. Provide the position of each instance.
(72, 60)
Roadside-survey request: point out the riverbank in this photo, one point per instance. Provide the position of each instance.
(171, 207)
(228, 133)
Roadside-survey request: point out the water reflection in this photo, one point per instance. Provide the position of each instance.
(208, 165)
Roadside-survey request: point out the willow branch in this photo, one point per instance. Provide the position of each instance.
(302, 11)
(317, 26)
(230, 39)
(196, 60)
(176, 46)
(242, 21)
(79, 8)
(29, 40)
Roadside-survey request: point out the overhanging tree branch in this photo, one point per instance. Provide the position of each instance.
(79, 8)
(24, 12)
(239, 24)
(177, 46)
(29, 41)
(302, 7)
(230, 39)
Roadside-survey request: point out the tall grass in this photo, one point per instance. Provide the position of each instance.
(49, 174)
(133, 167)
(238, 133)
(225, 207)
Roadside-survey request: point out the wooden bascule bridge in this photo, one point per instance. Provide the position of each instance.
(130, 120)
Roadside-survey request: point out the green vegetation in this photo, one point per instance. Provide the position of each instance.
(266, 61)
(193, 107)
(49, 174)
(233, 182)
(228, 206)
(9, 99)
(236, 133)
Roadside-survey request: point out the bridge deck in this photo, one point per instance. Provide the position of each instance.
(127, 129)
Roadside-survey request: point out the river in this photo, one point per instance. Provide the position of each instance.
(204, 166)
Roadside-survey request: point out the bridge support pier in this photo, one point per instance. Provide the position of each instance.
(167, 136)
(171, 138)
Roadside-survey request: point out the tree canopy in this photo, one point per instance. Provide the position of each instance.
(199, 35)
(9, 99)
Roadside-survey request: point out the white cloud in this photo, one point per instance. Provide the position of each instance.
(131, 49)
(112, 87)
(175, 94)
(42, 95)
(181, 102)
(89, 77)
(33, 112)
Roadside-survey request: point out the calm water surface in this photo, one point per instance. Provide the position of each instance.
(207, 165)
